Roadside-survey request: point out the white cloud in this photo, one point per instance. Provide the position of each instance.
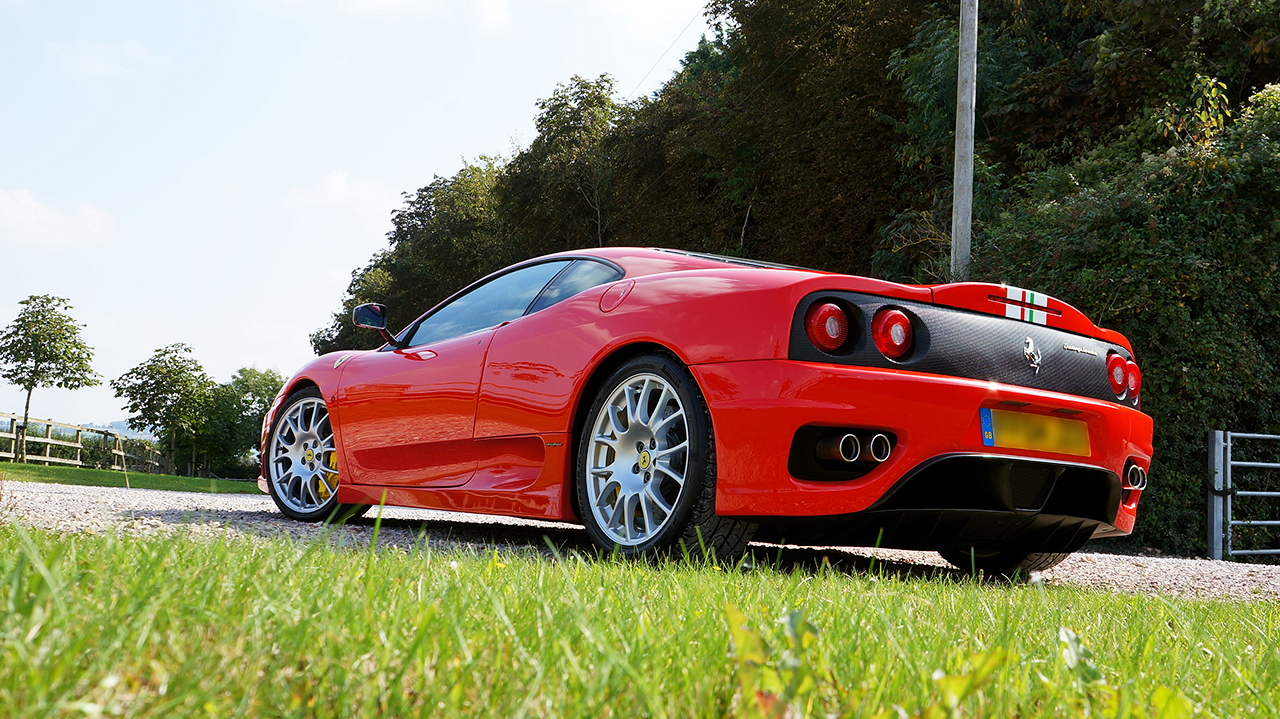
(338, 190)
(25, 221)
(103, 58)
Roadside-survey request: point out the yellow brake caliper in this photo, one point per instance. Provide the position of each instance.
(321, 490)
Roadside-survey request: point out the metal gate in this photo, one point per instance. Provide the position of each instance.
(1222, 489)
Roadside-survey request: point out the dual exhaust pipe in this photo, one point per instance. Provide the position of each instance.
(1135, 478)
(848, 448)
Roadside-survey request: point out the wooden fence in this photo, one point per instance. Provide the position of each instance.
(77, 446)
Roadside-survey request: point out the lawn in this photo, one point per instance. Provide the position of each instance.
(150, 627)
(106, 478)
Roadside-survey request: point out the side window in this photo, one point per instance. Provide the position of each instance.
(500, 300)
(582, 276)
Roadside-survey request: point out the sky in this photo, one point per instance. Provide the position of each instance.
(212, 172)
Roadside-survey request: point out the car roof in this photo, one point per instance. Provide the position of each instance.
(640, 261)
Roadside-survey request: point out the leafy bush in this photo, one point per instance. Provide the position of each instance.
(1060, 81)
(1181, 252)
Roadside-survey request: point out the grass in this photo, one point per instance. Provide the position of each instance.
(105, 478)
(148, 627)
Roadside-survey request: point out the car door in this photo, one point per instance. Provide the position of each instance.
(407, 413)
(533, 366)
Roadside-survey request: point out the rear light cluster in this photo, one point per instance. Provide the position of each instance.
(1124, 376)
(891, 331)
(828, 328)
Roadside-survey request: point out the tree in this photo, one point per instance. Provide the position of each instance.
(230, 422)
(1059, 82)
(255, 389)
(573, 128)
(559, 192)
(42, 347)
(217, 425)
(445, 236)
(166, 394)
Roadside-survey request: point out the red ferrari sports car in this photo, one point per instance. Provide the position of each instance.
(668, 399)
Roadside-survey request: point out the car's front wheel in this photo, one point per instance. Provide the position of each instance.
(302, 463)
(646, 467)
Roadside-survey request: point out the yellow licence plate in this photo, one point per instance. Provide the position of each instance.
(1019, 430)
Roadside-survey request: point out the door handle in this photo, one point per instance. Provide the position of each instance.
(418, 355)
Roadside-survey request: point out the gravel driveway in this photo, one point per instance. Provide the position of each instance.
(66, 508)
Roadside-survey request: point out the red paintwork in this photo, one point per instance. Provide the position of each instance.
(426, 439)
(930, 414)
(486, 422)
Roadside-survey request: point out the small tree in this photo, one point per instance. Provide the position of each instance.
(229, 427)
(256, 390)
(166, 394)
(572, 130)
(42, 347)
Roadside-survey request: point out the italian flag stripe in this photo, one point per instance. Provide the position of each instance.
(1026, 314)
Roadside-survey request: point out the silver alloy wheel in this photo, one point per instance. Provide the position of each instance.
(303, 463)
(637, 459)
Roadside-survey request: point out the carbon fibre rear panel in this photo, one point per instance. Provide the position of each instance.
(973, 345)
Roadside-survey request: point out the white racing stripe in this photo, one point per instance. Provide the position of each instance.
(1025, 314)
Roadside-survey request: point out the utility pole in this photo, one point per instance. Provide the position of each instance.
(962, 185)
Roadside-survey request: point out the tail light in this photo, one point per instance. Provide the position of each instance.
(1134, 378)
(827, 326)
(891, 331)
(1124, 376)
(1117, 373)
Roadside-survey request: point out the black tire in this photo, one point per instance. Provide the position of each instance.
(327, 508)
(1005, 563)
(692, 528)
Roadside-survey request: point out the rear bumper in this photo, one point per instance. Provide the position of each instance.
(757, 408)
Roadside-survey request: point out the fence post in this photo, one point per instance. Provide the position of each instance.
(1217, 449)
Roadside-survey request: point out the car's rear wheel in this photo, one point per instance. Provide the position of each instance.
(646, 471)
(302, 463)
(1004, 562)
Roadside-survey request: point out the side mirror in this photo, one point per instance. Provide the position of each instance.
(373, 316)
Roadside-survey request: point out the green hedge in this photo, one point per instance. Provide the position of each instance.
(1181, 253)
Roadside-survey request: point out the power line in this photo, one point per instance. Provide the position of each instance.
(663, 55)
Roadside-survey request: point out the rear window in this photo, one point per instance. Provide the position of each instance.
(579, 277)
